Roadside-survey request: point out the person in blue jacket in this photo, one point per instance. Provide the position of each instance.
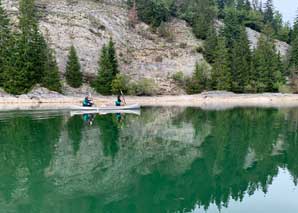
(118, 102)
(87, 102)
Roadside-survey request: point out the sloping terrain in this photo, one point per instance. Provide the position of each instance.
(88, 25)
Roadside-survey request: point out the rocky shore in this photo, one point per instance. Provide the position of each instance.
(42, 98)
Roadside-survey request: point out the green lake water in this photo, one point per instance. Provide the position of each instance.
(165, 160)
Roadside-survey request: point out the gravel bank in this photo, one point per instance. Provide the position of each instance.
(208, 100)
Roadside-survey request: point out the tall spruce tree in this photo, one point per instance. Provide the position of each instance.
(103, 83)
(232, 27)
(294, 45)
(210, 45)
(73, 74)
(269, 12)
(51, 78)
(240, 62)
(221, 74)
(113, 57)
(29, 49)
(266, 66)
(199, 81)
(108, 69)
(5, 33)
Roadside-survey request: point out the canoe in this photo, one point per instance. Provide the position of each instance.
(127, 107)
(105, 112)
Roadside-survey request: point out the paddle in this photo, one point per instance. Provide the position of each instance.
(123, 97)
(90, 95)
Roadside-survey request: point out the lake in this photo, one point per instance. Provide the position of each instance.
(165, 160)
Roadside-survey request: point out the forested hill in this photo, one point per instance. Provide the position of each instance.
(146, 47)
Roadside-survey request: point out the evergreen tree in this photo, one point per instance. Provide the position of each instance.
(153, 12)
(210, 45)
(266, 66)
(294, 53)
(74, 76)
(221, 75)
(19, 73)
(28, 53)
(4, 42)
(34, 42)
(108, 69)
(103, 83)
(51, 78)
(269, 12)
(199, 81)
(232, 27)
(221, 7)
(294, 33)
(240, 62)
(113, 57)
(294, 44)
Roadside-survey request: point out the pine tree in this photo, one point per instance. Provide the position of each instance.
(51, 78)
(199, 81)
(113, 57)
(74, 76)
(294, 53)
(103, 83)
(203, 17)
(221, 74)
(210, 45)
(232, 27)
(241, 62)
(108, 69)
(34, 42)
(294, 44)
(19, 73)
(269, 12)
(27, 61)
(266, 65)
(5, 34)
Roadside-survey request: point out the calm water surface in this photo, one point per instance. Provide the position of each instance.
(166, 160)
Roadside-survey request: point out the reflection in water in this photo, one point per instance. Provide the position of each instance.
(167, 160)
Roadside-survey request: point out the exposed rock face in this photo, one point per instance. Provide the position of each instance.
(254, 36)
(88, 25)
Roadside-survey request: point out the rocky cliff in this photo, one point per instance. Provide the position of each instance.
(88, 24)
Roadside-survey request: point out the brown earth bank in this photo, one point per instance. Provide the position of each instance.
(41, 98)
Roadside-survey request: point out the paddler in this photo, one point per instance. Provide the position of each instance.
(118, 102)
(87, 102)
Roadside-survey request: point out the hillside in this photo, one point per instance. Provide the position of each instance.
(142, 53)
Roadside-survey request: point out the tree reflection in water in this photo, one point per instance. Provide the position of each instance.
(166, 160)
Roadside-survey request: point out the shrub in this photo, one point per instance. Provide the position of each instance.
(165, 32)
(144, 87)
(179, 78)
(120, 83)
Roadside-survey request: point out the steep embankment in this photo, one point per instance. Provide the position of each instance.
(89, 24)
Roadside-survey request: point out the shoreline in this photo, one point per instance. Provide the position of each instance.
(208, 100)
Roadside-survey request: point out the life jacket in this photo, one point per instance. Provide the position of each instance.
(118, 103)
(85, 102)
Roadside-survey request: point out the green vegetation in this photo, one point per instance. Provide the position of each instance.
(25, 58)
(200, 80)
(145, 86)
(51, 78)
(120, 83)
(4, 42)
(108, 69)
(74, 76)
